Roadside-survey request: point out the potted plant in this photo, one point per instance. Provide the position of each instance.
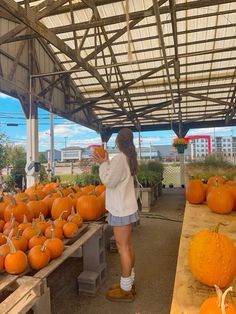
(150, 177)
(180, 144)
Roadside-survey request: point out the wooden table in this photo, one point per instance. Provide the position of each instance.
(30, 289)
(188, 293)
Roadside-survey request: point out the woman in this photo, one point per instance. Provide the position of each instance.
(122, 207)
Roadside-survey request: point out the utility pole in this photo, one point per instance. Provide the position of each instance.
(51, 144)
(65, 137)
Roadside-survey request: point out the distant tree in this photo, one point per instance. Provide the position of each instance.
(2, 151)
(42, 158)
(16, 157)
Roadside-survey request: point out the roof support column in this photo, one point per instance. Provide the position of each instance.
(32, 145)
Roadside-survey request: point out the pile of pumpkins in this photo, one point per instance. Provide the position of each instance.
(220, 195)
(33, 223)
(211, 254)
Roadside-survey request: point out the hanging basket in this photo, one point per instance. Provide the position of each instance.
(180, 148)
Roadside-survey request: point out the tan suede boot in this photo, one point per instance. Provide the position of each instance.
(119, 295)
(117, 285)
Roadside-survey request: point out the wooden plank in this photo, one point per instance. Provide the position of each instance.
(43, 273)
(6, 280)
(188, 293)
(24, 294)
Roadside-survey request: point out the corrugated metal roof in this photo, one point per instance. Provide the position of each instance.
(205, 47)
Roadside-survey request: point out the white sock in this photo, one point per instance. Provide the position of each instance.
(132, 275)
(126, 283)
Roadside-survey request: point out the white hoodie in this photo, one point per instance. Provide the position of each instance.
(120, 193)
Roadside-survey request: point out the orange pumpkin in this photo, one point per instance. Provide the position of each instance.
(15, 261)
(212, 258)
(30, 231)
(19, 210)
(41, 223)
(3, 239)
(88, 207)
(70, 230)
(99, 189)
(36, 207)
(60, 221)
(55, 246)
(232, 190)
(220, 200)
(75, 218)
(21, 197)
(88, 189)
(99, 152)
(57, 231)
(48, 200)
(215, 179)
(19, 241)
(39, 256)
(3, 205)
(2, 224)
(195, 192)
(25, 224)
(217, 304)
(38, 239)
(4, 250)
(1, 263)
(61, 204)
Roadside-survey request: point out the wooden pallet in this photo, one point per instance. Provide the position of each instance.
(30, 289)
(26, 293)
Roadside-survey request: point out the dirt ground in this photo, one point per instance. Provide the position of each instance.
(156, 242)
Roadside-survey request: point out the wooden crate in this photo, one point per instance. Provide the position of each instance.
(25, 293)
(188, 293)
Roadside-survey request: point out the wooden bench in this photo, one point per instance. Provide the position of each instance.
(188, 293)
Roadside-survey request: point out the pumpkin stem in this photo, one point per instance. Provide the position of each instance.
(25, 220)
(13, 201)
(72, 211)
(219, 294)
(62, 214)
(222, 305)
(41, 217)
(43, 248)
(11, 246)
(217, 227)
(17, 236)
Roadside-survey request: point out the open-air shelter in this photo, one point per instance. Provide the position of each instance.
(105, 64)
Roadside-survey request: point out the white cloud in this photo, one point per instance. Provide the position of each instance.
(84, 142)
(4, 96)
(210, 131)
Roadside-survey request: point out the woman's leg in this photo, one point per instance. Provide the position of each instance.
(122, 236)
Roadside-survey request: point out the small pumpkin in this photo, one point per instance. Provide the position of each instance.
(39, 256)
(30, 231)
(19, 241)
(220, 200)
(25, 224)
(212, 258)
(1, 263)
(15, 261)
(99, 152)
(37, 239)
(18, 210)
(36, 207)
(195, 192)
(217, 304)
(75, 217)
(55, 245)
(58, 233)
(41, 223)
(70, 230)
(60, 221)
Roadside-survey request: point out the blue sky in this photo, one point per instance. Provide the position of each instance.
(76, 135)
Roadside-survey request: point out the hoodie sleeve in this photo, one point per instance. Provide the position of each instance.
(112, 172)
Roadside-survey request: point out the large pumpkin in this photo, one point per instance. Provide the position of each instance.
(215, 180)
(212, 258)
(88, 207)
(220, 200)
(61, 204)
(19, 210)
(37, 207)
(195, 192)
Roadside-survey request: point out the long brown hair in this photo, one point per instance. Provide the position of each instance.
(124, 141)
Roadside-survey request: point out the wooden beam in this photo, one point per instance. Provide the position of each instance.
(202, 97)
